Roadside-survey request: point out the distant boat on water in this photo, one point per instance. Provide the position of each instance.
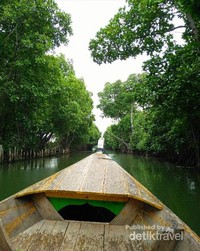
(100, 145)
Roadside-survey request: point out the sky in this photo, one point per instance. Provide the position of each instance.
(88, 16)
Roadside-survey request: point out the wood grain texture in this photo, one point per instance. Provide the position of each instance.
(5, 244)
(45, 208)
(74, 236)
(93, 177)
(17, 215)
(128, 213)
(71, 236)
(25, 239)
(91, 237)
(50, 235)
(43, 238)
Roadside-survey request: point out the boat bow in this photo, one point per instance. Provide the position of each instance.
(96, 177)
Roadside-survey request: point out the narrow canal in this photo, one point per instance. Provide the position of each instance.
(178, 188)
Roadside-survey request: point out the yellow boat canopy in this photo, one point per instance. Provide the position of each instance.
(96, 177)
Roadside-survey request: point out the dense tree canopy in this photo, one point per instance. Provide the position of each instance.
(169, 121)
(38, 91)
(150, 127)
(144, 26)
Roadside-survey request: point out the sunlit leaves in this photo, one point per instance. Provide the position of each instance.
(142, 26)
(118, 97)
(169, 96)
(40, 96)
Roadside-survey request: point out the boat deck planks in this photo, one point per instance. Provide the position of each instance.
(116, 177)
(95, 177)
(48, 235)
(90, 237)
(71, 236)
(24, 239)
(117, 238)
(98, 172)
(29, 222)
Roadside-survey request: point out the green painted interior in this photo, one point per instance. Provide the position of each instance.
(114, 207)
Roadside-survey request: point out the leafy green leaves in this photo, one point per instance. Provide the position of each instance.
(169, 120)
(141, 26)
(38, 91)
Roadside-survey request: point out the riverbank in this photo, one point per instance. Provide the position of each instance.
(179, 159)
(14, 154)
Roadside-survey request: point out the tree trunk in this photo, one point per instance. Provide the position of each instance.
(193, 26)
(196, 140)
(126, 144)
(132, 107)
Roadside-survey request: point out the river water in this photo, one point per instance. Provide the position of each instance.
(176, 187)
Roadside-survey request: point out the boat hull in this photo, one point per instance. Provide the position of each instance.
(32, 218)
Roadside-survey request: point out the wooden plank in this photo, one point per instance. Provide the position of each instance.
(75, 177)
(71, 178)
(58, 179)
(58, 234)
(189, 243)
(5, 244)
(45, 208)
(128, 213)
(90, 238)
(95, 175)
(168, 244)
(18, 214)
(43, 238)
(19, 222)
(24, 239)
(95, 178)
(117, 238)
(89, 196)
(115, 180)
(46, 235)
(71, 236)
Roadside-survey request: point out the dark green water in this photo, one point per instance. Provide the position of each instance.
(16, 176)
(178, 188)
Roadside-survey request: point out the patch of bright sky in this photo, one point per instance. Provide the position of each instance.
(88, 16)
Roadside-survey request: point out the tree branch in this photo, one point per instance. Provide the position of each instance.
(177, 27)
(126, 144)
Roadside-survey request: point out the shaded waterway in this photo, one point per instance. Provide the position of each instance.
(178, 188)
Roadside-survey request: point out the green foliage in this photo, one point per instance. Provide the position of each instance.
(71, 110)
(119, 101)
(94, 135)
(190, 6)
(111, 100)
(111, 142)
(168, 121)
(117, 98)
(164, 124)
(40, 97)
(141, 26)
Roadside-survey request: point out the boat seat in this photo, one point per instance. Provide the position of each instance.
(5, 244)
(49, 235)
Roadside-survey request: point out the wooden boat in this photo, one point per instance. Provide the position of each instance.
(92, 205)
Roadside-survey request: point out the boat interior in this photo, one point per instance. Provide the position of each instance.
(39, 218)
